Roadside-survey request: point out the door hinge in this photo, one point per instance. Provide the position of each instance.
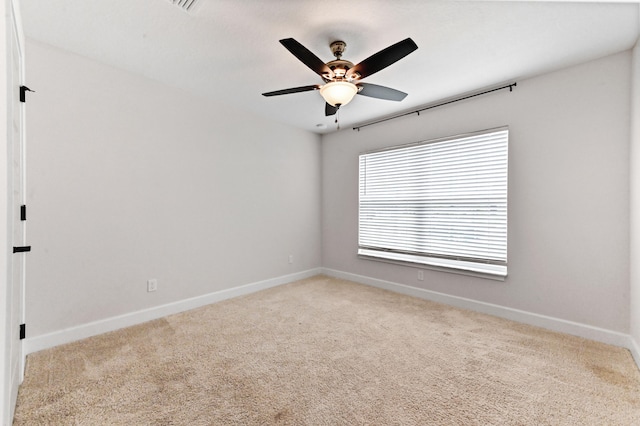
(23, 331)
(23, 212)
(23, 91)
(21, 249)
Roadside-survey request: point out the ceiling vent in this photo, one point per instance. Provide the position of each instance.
(186, 5)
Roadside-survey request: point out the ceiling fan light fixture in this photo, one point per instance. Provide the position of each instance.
(338, 92)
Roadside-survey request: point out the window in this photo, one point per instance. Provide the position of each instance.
(441, 203)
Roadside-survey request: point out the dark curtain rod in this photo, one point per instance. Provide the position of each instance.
(509, 86)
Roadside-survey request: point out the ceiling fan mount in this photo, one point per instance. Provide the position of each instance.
(337, 48)
(342, 77)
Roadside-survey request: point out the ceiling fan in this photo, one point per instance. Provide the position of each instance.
(342, 78)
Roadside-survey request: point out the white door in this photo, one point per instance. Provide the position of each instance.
(17, 200)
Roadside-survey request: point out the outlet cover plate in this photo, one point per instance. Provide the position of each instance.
(152, 284)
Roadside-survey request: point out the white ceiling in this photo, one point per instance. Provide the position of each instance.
(228, 50)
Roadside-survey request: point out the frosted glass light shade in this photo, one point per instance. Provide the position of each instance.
(338, 92)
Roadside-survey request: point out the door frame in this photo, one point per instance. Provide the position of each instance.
(10, 27)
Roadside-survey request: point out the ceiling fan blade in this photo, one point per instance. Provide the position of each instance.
(329, 110)
(292, 90)
(383, 58)
(306, 56)
(381, 92)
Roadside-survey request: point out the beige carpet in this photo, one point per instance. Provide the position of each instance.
(328, 352)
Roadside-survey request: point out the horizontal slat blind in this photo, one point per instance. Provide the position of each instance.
(445, 199)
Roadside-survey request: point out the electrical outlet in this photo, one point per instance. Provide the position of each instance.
(290, 258)
(152, 284)
(420, 275)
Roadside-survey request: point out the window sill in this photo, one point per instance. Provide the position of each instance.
(482, 270)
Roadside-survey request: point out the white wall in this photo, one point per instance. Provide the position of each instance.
(635, 203)
(568, 194)
(129, 180)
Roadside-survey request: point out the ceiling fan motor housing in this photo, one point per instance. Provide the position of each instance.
(339, 68)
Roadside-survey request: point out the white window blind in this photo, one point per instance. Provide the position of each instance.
(440, 202)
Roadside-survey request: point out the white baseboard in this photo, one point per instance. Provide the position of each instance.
(543, 321)
(38, 343)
